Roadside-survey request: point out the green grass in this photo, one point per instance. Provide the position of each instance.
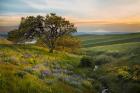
(17, 74)
(115, 47)
(4, 41)
(101, 40)
(117, 57)
(118, 64)
(21, 66)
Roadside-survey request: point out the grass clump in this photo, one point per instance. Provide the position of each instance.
(103, 59)
(86, 61)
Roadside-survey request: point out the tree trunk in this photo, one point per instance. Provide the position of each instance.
(51, 50)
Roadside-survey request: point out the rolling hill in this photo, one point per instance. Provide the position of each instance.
(101, 40)
(31, 69)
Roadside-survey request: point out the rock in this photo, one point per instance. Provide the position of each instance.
(105, 91)
(95, 68)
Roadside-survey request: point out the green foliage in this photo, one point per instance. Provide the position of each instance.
(49, 28)
(115, 54)
(32, 61)
(97, 86)
(87, 84)
(21, 74)
(14, 36)
(56, 27)
(86, 61)
(103, 59)
(69, 44)
(123, 73)
(66, 43)
(135, 73)
(132, 88)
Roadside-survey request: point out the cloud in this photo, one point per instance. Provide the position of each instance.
(9, 20)
(90, 9)
(75, 10)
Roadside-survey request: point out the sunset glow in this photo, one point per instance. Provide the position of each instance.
(80, 12)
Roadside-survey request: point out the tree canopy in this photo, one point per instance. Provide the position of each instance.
(49, 28)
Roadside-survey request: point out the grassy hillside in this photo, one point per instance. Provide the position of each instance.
(4, 41)
(118, 61)
(101, 40)
(31, 69)
(125, 47)
(118, 65)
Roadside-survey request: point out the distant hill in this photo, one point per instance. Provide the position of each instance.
(102, 33)
(7, 28)
(3, 34)
(93, 40)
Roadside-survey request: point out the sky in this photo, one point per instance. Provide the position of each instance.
(81, 12)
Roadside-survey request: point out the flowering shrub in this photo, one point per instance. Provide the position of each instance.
(123, 73)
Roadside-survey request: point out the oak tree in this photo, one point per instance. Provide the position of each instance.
(49, 28)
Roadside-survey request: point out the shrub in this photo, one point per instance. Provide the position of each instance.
(86, 84)
(2, 81)
(115, 54)
(103, 59)
(5, 59)
(132, 88)
(32, 61)
(21, 74)
(29, 70)
(86, 61)
(97, 86)
(135, 73)
(123, 73)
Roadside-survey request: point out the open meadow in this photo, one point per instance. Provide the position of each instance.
(31, 69)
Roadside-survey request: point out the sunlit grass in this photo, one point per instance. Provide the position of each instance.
(32, 69)
(115, 47)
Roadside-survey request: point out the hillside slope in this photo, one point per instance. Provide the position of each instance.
(116, 65)
(101, 40)
(31, 69)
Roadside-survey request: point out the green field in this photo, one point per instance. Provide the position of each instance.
(117, 58)
(31, 69)
(101, 40)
